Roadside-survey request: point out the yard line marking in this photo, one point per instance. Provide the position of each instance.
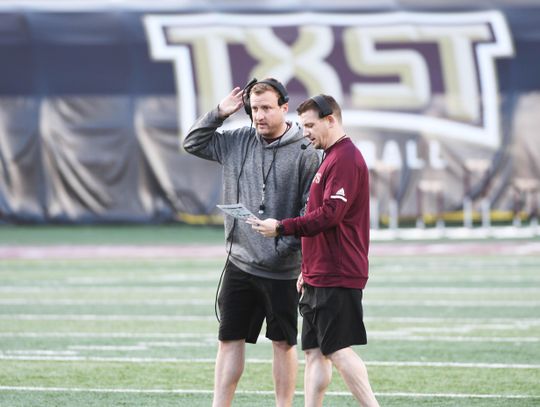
(453, 395)
(452, 290)
(380, 335)
(126, 335)
(141, 346)
(31, 289)
(23, 301)
(438, 281)
(127, 278)
(138, 347)
(174, 302)
(479, 339)
(456, 303)
(256, 392)
(39, 288)
(457, 364)
(42, 352)
(92, 317)
(153, 317)
(262, 361)
(94, 252)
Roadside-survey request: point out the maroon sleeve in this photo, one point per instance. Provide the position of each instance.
(341, 181)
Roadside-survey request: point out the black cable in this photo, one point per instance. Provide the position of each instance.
(221, 276)
(232, 232)
(262, 206)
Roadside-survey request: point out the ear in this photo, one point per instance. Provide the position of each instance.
(285, 107)
(331, 120)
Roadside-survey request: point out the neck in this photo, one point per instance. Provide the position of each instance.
(283, 129)
(336, 139)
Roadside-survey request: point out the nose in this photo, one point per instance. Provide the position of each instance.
(259, 114)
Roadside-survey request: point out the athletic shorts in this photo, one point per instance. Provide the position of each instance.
(332, 318)
(246, 300)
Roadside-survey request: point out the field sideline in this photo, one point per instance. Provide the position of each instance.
(125, 317)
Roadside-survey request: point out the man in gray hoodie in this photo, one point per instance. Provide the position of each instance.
(269, 168)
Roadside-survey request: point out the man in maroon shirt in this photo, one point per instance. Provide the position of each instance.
(335, 244)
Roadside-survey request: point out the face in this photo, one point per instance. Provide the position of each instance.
(268, 116)
(315, 128)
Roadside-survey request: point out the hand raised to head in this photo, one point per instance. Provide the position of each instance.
(231, 103)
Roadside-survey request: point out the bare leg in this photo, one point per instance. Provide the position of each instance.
(354, 373)
(284, 369)
(317, 377)
(229, 367)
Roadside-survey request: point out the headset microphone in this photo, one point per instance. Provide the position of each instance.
(304, 146)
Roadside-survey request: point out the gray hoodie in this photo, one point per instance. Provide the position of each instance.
(287, 187)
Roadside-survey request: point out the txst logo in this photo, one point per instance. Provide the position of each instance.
(431, 74)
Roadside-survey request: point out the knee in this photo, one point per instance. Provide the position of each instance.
(230, 359)
(318, 368)
(346, 357)
(283, 346)
(338, 356)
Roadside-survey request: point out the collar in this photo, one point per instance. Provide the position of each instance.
(339, 140)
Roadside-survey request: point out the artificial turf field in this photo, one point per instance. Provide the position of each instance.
(134, 325)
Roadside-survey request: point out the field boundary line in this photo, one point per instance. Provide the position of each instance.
(390, 336)
(170, 302)
(205, 251)
(160, 317)
(257, 392)
(29, 358)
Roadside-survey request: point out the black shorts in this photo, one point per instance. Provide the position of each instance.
(246, 300)
(332, 318)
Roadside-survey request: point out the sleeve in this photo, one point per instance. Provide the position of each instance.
(204, 141)
(340, 184)
(308, 167)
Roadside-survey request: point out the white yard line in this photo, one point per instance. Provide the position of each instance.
(93, 317)
(260, 361)
(523, 322)
(477, 339)
(378, 303)
(129, 252)
(58, 287)
(203, 339)
(256, 392)
(124, 335)
(218, 251)
(23, 301)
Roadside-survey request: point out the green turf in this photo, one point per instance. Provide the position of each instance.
(121, 332)
(103, 234)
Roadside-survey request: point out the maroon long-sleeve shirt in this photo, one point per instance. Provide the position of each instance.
(335, 228)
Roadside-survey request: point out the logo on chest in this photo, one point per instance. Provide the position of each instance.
(317, 178)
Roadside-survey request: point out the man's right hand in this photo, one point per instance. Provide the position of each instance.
(300, 284)
(231, 103)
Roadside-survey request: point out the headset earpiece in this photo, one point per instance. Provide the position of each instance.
(322, 104)
(245, 96)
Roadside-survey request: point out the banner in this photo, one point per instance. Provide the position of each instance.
(94, 106)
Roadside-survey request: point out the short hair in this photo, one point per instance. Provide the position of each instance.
(311, 104)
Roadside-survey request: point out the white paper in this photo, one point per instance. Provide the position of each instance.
(238, 211)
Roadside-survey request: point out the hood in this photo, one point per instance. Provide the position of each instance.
(293, 135)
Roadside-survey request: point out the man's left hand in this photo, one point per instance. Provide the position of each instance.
(266, 227)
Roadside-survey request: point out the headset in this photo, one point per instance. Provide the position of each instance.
(322, 104)
(283, 95)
